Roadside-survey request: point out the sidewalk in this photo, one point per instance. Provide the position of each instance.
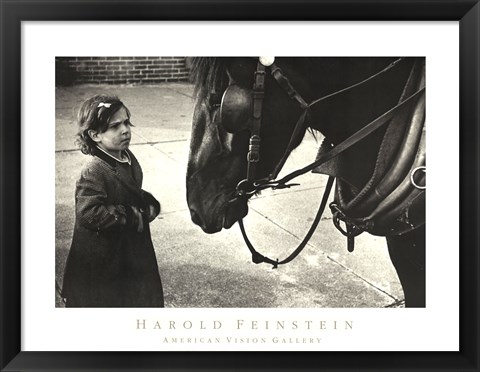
(200, 270)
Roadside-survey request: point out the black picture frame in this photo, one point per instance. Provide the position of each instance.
(467, 12)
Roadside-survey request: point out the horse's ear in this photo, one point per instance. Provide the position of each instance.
(236, 109)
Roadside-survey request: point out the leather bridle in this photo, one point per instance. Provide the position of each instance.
(249, 186)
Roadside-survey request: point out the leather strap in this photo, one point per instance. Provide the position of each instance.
(299, 129)
(403, 188)
(253, 156)
(259, 258)
(342, 146)
(283, 81)
(404, 208)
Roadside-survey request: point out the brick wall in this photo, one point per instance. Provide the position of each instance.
(120, 70)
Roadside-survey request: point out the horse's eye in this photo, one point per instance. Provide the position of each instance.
(214, 99)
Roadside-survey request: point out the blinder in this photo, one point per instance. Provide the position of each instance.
(236, 109)
(237, 103)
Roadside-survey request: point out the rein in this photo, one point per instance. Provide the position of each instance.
(250, 186)
(259, 258)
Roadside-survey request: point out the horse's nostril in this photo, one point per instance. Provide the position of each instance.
(195, 217)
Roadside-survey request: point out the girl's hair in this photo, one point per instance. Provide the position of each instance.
(94, 115)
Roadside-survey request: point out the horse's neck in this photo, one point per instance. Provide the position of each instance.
(345, 113)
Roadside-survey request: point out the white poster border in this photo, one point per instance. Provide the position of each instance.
(46, 328)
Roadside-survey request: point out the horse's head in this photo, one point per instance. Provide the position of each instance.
(218, 149)
(223, 121)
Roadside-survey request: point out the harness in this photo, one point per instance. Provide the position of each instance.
(390, 203)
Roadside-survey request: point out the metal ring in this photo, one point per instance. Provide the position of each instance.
(245, 187)
(424, 168)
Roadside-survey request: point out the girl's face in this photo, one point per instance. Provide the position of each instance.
(117, 137)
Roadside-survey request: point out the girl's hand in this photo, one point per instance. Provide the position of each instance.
(152, 213)
(138, 219)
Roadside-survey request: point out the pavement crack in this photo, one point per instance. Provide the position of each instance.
(180, 92)
(319, 250)
(280, 226)
(362, 278)
(160, 142)
(65, 151)
(65, 230)
(164, 153)
(397, 303)
(290, 191)
(139, 135)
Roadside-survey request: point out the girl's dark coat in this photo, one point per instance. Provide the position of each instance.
(110, 264)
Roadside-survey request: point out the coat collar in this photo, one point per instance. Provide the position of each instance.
(110, 160)
(107, 159)
(132, 180)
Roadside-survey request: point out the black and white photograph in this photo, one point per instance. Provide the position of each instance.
(240, 182)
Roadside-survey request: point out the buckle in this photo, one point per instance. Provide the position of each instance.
(253, 155)
(259, 80)
(245, 188)
(352, 229)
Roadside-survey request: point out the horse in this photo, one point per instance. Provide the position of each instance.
(250, 113)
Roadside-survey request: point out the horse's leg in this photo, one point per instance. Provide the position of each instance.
(407, 253)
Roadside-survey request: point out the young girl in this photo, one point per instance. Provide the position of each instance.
(111, 262)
